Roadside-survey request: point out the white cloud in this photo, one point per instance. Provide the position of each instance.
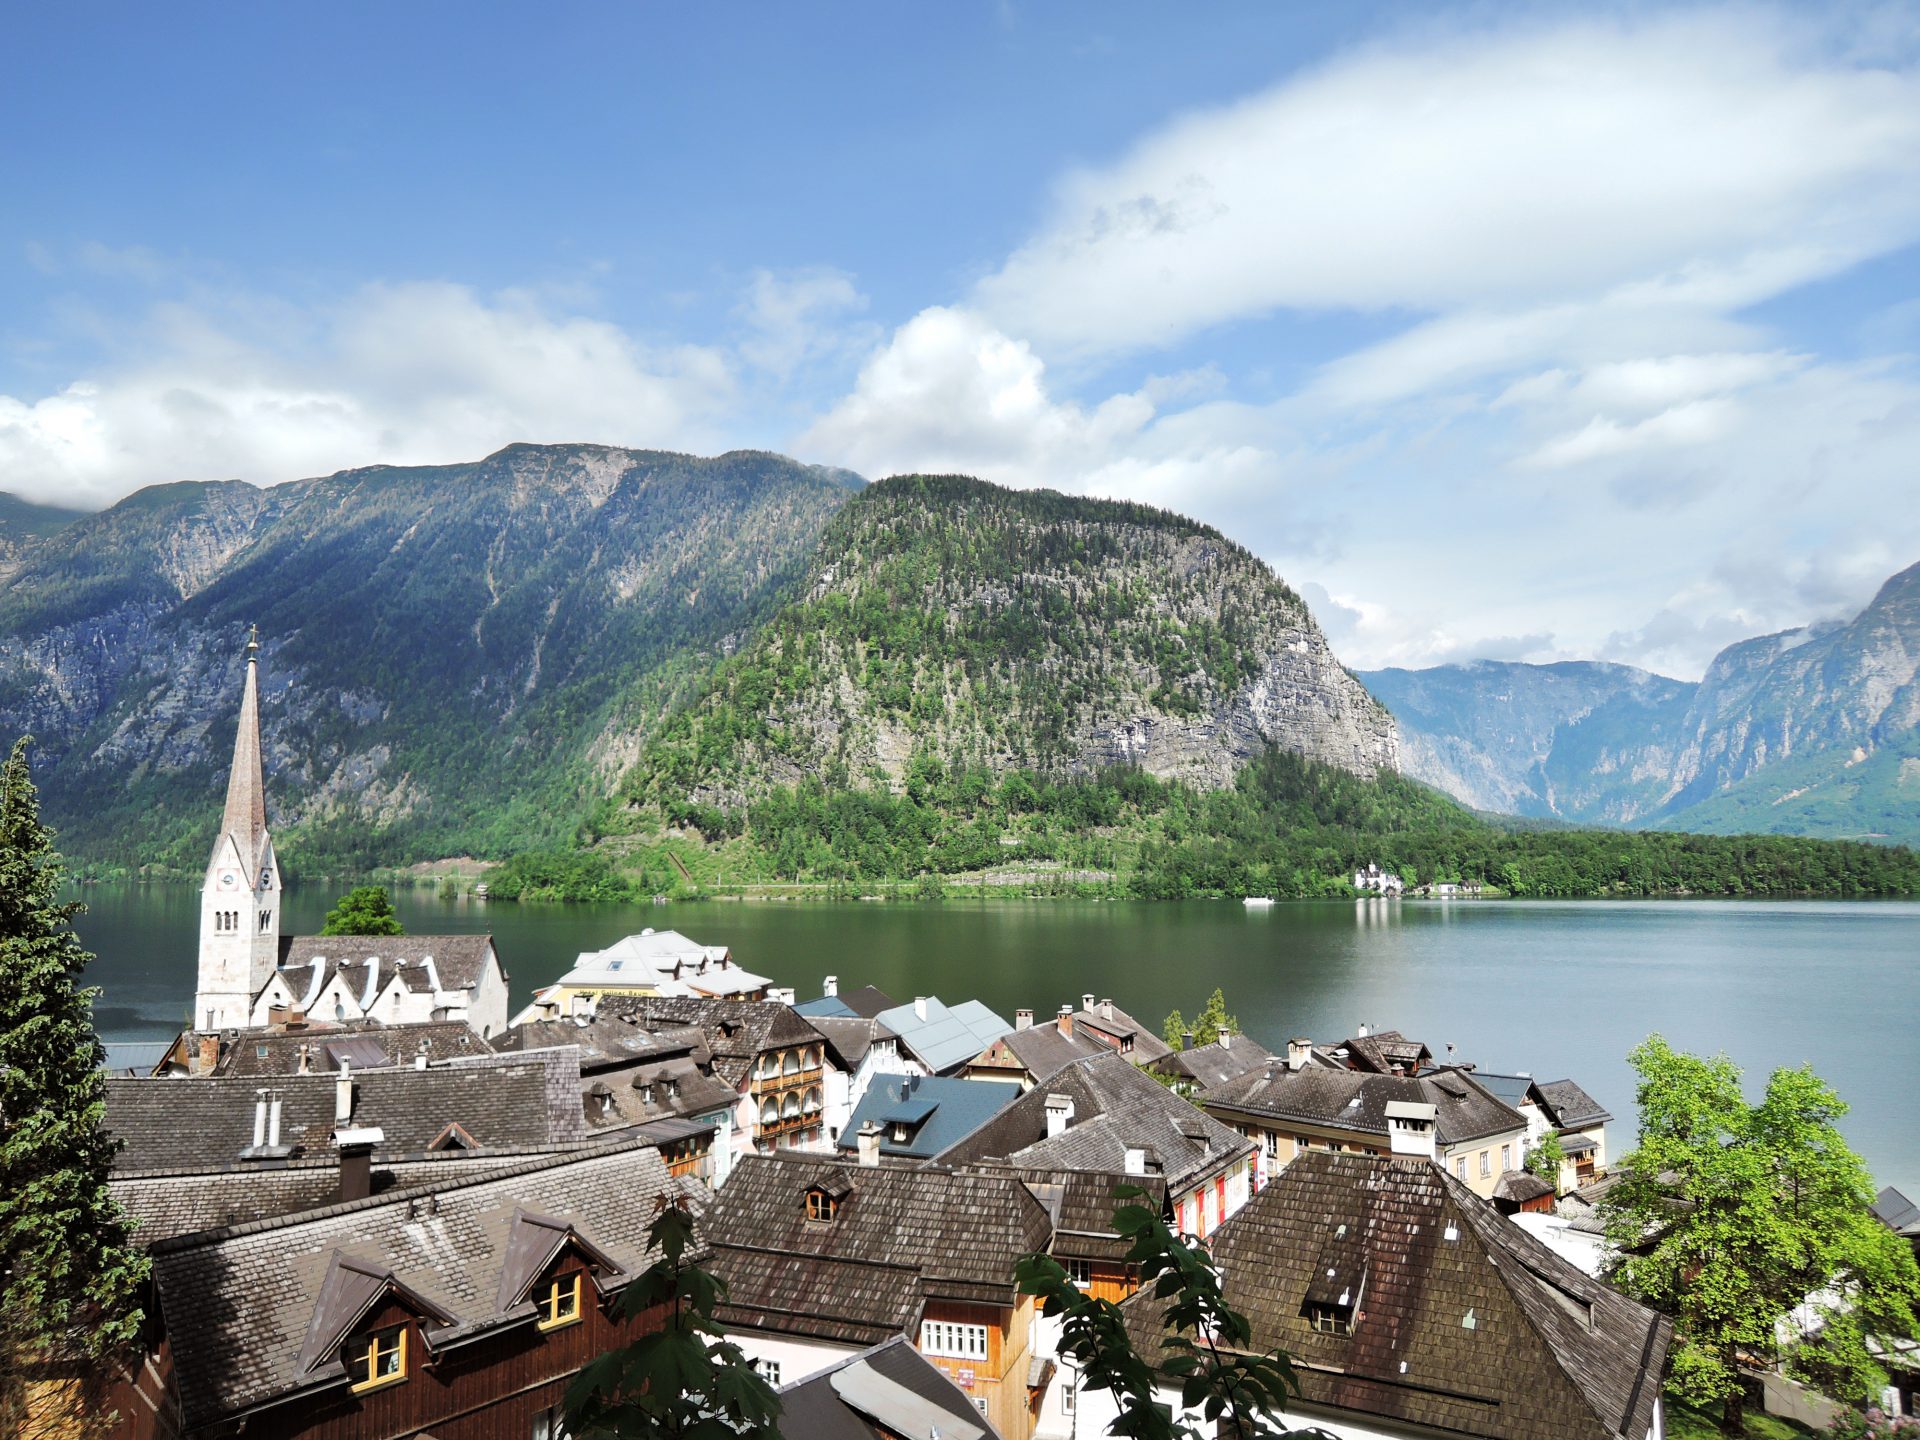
(420, 373)
(1701, 157)
(802, 318)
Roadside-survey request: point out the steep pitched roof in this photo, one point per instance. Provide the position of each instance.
(309, 962)
(1213, 1064)
(1356, 1101)
(1386, 1052)
(949, 1035)
(501, 1101)
(1897, 1212)
(1039, 1050)
(881, 1393)
(1568, 1106)
(363, 1044)
(736, 1030)
(1081, 1204)
(1461, 1321)
(1140, 1042)
(850, 1037)
(244, 819)
(263, 1303)
(899, 1237)
(937, 1111)
(1116, 1108)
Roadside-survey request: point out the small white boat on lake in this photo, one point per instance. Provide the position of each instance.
(1257, 902)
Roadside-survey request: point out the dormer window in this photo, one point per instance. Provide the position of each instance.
(820, 1205)
(1330, 1319)
(558, 1300)
(377, 1358)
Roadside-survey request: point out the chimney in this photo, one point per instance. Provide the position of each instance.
(830, 986)
(420, 1056)
(356, 1161)
(1065, 1020)
(1186, 1039)
(1136, 1161)
(273, 1122)
(259, 1118)
(343, 1095)
(305, 1067)
(868, 1140)
(920, 1006)
(1361, 1033)
(1059, 1114)
(1410, 1128)
(780, 994)
(209, 1055)
(1226, 1037)
(1086, 1002)
(1106, 1009)
(1299, 1049)
(277, 1017)
(1023, 1019)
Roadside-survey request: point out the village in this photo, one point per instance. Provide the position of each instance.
(382, 1200)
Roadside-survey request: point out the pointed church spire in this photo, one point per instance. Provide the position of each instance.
(246, 815)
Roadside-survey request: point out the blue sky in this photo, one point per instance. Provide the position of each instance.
(1532, 332)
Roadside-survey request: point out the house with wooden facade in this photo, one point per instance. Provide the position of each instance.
(461, 1311)
(1030, 1053)
(823, 1259)
(1411, 1308)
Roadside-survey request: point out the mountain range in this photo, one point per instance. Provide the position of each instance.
(1812, 731)
(496, 657)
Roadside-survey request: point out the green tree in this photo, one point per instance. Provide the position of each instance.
(1207, 1025)
(1729, 1215)
(68, 1273)
(683, 1381)
(1207, 1350)
(363, 910)
(1546, 1158)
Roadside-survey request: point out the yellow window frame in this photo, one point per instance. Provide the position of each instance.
(558, 1301)
(365, 1364)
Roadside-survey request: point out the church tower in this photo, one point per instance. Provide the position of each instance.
(240, 901)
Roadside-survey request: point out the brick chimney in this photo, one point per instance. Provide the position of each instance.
(209, 1057)
(1065, 1020)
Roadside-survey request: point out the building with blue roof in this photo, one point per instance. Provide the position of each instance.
(919, 1116)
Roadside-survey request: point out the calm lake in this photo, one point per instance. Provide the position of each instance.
(1557, 989)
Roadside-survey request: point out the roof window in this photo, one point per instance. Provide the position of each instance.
(820, 1205)
(378, 1357)
(1328, 1318)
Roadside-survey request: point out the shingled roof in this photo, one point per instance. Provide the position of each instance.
(880, 1394)
(866, 1001)
(850, 1037)
(1357, 1101)
(1205, 1066)
(899, 1237)
(1116, 1108)
(1140, 1043)
(1385, 1052)
(308, 962)
(736, 1030)
(1568, 1106)
(174, 1126)
(1036, 1051)
(1460, 1320)
(363, 1044)
(246, 1304)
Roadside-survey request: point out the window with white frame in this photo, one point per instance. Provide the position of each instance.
(769, 1371)
(953, 1340)
(1080, 1272)
(1486, 1163)
(1506, 1158)
(1460, 1166)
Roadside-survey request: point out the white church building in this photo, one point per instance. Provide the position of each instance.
(251, 977)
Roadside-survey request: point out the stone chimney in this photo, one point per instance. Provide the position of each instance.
(1023, 1019)
(1059, 1114)
(867, 1138)
(209, 1058)
(1226, 1037)
(830, 986)
(273, 1121)
(1086, 1003)
(259, 1118)
(420, 1056)
(920, 1006)
(780, 994)
(1299, 1051)
(356, 1160)
(1064, 1020)
(1410, 1128)
(1186, 1039)
(1361, 1033)
(1106, 1009)
(343, 1095)
(1136, 1161)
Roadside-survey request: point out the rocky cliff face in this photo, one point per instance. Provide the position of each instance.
(451, 655)
(1812, 731)
(1004, 630)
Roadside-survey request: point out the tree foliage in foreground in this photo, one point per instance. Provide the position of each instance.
(684, 1381)
(1730, 1215)
(1206, 1026)
(1207, 1353)
(68, 1272)
(363, 910)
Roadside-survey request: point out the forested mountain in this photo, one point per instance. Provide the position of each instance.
(1813, 731)
(951, 624)
(454, 657)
